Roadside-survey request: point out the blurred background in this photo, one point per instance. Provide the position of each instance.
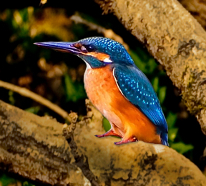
(58, 77)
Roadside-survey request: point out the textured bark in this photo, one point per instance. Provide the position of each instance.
(197, 8)
(35, 148)
(175, 39)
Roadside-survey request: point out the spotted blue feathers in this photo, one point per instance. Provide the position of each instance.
(136, 88)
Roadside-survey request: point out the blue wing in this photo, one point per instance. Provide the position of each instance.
(135, 86)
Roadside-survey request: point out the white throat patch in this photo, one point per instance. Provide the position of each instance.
(107, 60)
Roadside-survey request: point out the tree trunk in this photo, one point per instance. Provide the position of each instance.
(34, 147)
(197, 8)
(175, 39)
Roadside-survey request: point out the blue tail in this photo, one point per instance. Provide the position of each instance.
(164, 139)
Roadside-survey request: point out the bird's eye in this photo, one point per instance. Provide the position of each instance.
(90, 48)
(83, 49)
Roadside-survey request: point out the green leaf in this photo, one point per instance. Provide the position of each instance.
(171, 119)
(172, 134)
(6, 180)
(138, 61)
(151, 66)
(144, 62)
(33, 110)
(74, 90)
(11, 97)
(181, 147)
(162, 94)
(155, 83)
(25, 183)
(24, 14)
(106, 124)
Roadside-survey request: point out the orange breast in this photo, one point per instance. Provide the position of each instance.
(104, 93)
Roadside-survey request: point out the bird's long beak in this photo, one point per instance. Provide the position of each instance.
(68, 47)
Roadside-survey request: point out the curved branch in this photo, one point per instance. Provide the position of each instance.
(106, 32)
(175, 39)
(27, 93)
(35, 148)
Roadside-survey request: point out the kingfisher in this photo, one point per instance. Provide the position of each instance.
(118, 89)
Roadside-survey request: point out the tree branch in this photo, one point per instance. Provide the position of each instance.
(197, 8)
(106, 32)
(27, 93)
(35, 148)
(175, 39)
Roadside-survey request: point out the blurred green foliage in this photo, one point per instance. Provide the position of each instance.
(6, 180)
(33, 110)
(21, 65)
(11, 97)
(73, 90)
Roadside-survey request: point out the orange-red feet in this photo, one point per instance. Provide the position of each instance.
(129, 140)
(108, 133)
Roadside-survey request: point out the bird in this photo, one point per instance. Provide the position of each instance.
(118, 89)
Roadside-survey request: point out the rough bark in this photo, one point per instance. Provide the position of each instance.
(175, 39)
(34, 147)
(197, 8)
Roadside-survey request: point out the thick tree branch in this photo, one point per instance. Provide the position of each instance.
(35, 148)
(175, 39)
(197, 8)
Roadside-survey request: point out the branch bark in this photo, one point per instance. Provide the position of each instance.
(34, 147)
(175, 39)
(197, 8)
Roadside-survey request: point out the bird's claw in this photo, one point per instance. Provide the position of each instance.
(129, 140)
(108, 133)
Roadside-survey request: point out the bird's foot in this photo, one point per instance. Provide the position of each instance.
(129, 140)
(108, 133)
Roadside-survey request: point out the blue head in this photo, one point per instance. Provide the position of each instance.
(95, 51)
